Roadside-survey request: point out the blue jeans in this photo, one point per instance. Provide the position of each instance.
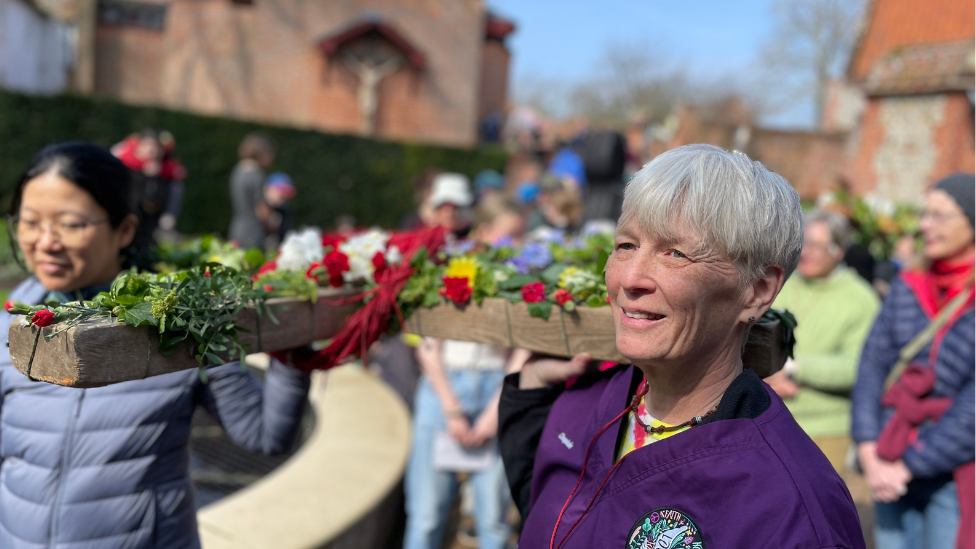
(927, 517)
(430, 492)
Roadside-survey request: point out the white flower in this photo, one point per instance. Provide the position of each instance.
(879, 205)
(361, 249)
(826, 199)
(394, 256)
(300, 250)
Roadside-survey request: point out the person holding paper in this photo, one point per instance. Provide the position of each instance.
(456, 420)
(683, 448)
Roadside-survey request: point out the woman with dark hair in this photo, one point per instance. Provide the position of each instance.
(249, 224)
(109, 467)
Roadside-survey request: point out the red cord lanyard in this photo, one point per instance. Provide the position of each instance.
(586, 458)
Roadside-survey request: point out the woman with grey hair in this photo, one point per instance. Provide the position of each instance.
(835, 309)
(683, 448)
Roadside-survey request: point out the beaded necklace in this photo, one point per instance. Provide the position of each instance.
(635, 401)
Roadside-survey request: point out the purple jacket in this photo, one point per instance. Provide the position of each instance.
(756, 480)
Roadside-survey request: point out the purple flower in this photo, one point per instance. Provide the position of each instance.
(520, 264)
(459, 247)
(505, 242)
(537, 256)
(555, 235)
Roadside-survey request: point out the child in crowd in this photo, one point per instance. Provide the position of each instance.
(456, 408)
(278, 190)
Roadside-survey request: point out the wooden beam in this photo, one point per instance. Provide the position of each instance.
(102, 352)
(498, 322)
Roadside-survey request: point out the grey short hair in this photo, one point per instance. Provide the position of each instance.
(838, 225)
(735, 205)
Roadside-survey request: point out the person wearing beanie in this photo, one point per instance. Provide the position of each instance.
(914, 414)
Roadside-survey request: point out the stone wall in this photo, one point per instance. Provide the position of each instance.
(905, 143)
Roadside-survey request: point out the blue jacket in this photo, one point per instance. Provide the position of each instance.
(109, 467)
(948, 443)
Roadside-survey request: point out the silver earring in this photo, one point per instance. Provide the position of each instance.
(752, 319)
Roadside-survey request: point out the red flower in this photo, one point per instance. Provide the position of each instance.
(379, 264)
(266, 268)
(268, 287)
(534, 292)
(43, 318)
(457, 289)
(333, 240)
(8, 305)
(315, 271)
(336, 263)
(562, 296)
(406, 242)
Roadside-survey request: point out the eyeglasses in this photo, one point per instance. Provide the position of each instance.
(819, 247)
(70, 235)
(938, 217)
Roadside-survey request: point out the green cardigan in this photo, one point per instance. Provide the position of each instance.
(834, 315)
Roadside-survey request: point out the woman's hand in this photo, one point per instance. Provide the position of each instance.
(781, 383)
(485, 428)
(542, 371)
(458, 427)
(888, 480)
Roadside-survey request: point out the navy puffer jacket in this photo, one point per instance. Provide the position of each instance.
(109, 467)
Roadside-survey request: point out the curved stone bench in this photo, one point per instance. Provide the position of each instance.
(355, 456)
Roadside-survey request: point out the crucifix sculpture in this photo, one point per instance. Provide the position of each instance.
(371, 67)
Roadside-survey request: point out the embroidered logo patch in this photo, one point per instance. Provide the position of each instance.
(665, 528)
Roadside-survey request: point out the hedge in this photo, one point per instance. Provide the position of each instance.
(334, 174)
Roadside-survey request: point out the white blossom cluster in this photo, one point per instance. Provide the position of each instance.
(362, 248)
(300, 249)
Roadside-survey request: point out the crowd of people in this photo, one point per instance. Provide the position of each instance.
(679, 447)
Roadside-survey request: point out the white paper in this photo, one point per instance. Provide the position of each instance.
(449, 455)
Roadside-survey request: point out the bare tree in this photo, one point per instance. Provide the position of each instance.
(629, 79)
(546, 95)
(809, 46)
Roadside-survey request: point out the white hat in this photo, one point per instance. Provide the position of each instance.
(451, 188)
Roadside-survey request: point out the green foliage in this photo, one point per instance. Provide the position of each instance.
(334, 174)
(877, 224)
(196, 305)
(542, 309)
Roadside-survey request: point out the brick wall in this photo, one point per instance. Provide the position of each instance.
(120, 48)
(262, 62)
(495, 60)
(894, 23)
(812, 162)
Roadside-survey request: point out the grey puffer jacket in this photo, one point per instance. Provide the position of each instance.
(109, 467)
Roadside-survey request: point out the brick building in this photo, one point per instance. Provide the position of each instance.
(415, 70)
(812, 161)
(908, 100)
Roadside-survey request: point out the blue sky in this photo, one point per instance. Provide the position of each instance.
(563, 39)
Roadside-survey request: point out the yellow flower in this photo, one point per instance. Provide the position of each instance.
(579, 282)
(566, 277)
(463, 267)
